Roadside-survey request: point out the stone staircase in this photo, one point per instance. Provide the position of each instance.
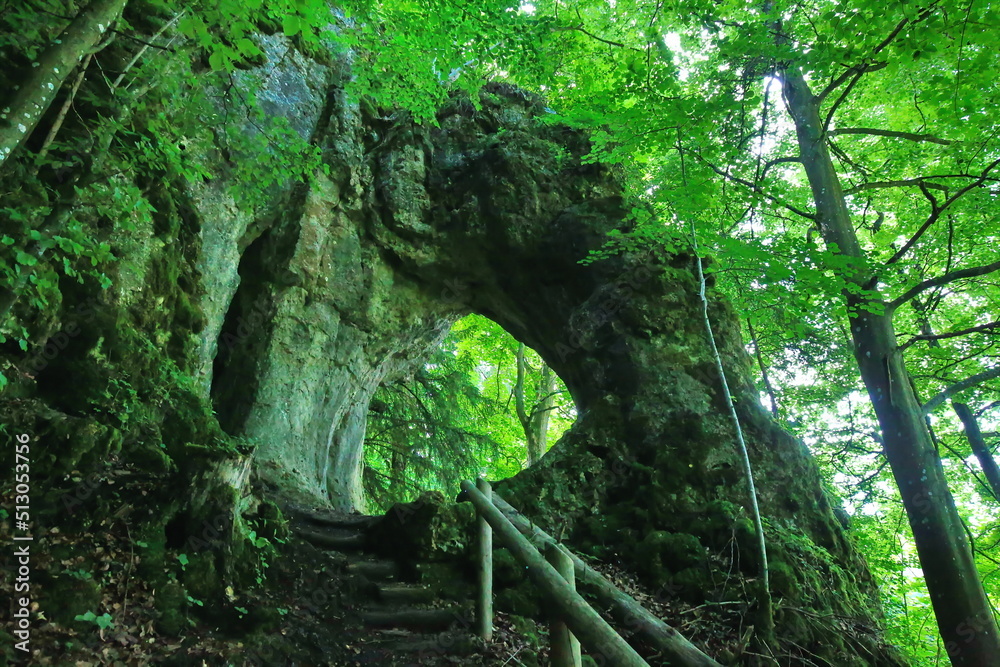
(409, 612)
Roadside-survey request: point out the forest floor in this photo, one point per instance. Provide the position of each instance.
(307, 612)
(313, 628)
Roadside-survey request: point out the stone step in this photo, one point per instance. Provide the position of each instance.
(374, 570)
(405, 594)
(421, 620)
(442, 578)
(332, 518)
(338, 539)
(360, 585)
(405, 648)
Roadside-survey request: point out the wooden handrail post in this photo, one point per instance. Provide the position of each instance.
(565, 647)
(484, 603)
(675, 649)
(594, 632)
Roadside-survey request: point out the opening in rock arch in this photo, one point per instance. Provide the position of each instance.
(481, 404)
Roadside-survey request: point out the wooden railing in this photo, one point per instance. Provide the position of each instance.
(551, 577)
(574, 621)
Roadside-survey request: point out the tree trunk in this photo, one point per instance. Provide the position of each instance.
(23, 111)
(528, 421)
(979, 448)
(957, 596)
(969, 421)
(763, 370)
(542, 411)
(398, 472)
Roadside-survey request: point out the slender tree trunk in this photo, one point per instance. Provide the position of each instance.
(397, 467)
(979, 448)
(543, 409)
(763, 370)
(535, 422)
(24, 108)
(62, 210)
(957, 596)
(969, 421)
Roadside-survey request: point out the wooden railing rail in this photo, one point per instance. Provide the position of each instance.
(586, 624)
(523, 539)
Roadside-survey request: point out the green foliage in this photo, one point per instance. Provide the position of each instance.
(411, 54)
(89, 187)
(454, 418)
(268, 153)
(103, 621)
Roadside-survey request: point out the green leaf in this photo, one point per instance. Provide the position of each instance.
(247, 47)
(291, 25)
(25, 259)
(220, 61)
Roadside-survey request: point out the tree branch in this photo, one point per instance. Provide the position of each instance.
(970, 272)
(892, 35)
(856, 71)
(847, 91)
(846, 159)
(986, 408)
(580, 28)
(61, 116)
(912, 136)
(145, 46)
(950, 334)
(978, 444)
(755, 188)
(780, 160)
(836, 83)
(936, 211)
(978, 378)
(29, 102)
(895, 184)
